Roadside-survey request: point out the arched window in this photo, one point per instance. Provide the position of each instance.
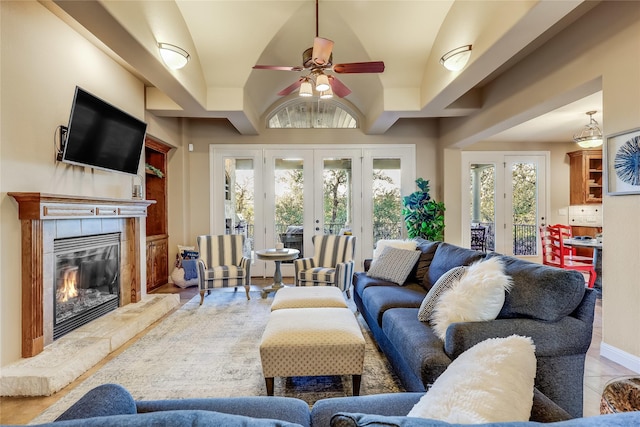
(310, 113)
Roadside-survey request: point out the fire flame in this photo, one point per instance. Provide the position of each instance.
(69, 289)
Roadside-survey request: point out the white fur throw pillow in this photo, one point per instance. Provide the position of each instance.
(478, 295)
(394, 243)
(442, 285)
(491, 382)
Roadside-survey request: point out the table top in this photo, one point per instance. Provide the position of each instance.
(587, 243)
(285, 254)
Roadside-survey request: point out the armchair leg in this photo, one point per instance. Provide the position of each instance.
(201, 297)
(348, 294)
(246, 289)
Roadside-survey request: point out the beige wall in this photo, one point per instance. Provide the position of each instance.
(47, 60)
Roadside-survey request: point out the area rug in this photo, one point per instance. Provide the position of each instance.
(213, 351)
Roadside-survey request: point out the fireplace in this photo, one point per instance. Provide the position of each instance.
(86, 280)
(45, 218)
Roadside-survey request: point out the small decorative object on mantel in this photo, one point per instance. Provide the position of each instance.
(154, 170)
(623, 163)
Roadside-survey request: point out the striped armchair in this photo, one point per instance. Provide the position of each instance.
(332, 263)
(221, 263)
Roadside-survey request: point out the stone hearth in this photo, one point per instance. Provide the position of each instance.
(72, 355)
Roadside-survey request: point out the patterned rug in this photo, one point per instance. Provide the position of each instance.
(213, 351)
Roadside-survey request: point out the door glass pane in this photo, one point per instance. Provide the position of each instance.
(337, 194)
(525, 207)
(387, 200)
(483, 213)
(289, 203)
(239, 195)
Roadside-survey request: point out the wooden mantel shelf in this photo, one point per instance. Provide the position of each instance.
(35, 209)
(55, 206)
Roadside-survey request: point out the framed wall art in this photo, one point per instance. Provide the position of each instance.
(622, 157)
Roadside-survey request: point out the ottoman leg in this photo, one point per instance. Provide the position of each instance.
(269, 383)
(356, 384)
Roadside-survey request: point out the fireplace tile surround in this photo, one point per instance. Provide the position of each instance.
(46, 217)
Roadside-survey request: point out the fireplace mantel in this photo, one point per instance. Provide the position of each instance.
(36, 209)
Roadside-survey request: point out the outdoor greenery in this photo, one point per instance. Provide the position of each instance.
(289, 207)
(423, 216)
(524, 179)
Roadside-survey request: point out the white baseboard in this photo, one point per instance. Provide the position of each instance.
(623, 358)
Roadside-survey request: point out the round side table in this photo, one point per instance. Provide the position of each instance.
(276, 256)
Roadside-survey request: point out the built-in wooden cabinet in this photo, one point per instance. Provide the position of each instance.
(155, 154)
(586, 177)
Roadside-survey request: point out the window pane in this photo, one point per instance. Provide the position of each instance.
(525, 207)
(387, 201)
(483, 214)
(289, 203)
(239, 199)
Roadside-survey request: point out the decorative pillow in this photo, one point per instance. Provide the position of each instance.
(442, 285)
(394, 264)
(477, 296)
(428, 250)
(400, 244)
(491, 382)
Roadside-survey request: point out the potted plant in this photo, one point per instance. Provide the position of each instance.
(423, 216)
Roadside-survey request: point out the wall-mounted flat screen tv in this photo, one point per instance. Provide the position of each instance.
(102, 136)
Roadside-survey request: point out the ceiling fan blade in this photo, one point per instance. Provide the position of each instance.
(359, 67)
(287, 90)
(321, 50)
(338, 87)
(278, 67)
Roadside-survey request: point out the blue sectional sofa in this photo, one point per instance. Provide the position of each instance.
(550, 305)
(111, 405)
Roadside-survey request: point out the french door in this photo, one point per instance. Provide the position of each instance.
(504, 200)
(289, 195)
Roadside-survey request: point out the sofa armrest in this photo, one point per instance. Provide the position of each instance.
(102, 401)
(545, 410)
(568, 336)
(387, 404)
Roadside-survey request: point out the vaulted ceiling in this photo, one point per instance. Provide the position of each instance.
(225, 39)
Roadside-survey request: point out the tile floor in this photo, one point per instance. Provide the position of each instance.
(598, 371)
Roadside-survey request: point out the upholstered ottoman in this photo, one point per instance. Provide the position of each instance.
(308, 297)
(312, 342)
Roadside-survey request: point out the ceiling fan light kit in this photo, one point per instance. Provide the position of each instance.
(173, 56)
(589, 136)
(306, 88)
(318, 60)
(456, 59)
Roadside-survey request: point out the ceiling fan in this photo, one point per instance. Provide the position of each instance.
(318, 60)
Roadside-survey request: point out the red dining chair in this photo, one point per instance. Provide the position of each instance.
(553, 253)
(566, 233)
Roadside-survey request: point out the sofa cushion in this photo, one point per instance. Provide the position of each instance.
(427, 250)
(343, 419)
(394, 243)
(536, 292)
(394, 264)
(446, 257)
(378, 299)
(442, 285)
(422, 351)
(492, 381)
(173, 418)
(477, 296)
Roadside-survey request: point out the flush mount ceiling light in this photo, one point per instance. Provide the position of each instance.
(457, 58)
(590, 136)
(174, 56)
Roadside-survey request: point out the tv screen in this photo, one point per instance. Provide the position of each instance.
(102, 136)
